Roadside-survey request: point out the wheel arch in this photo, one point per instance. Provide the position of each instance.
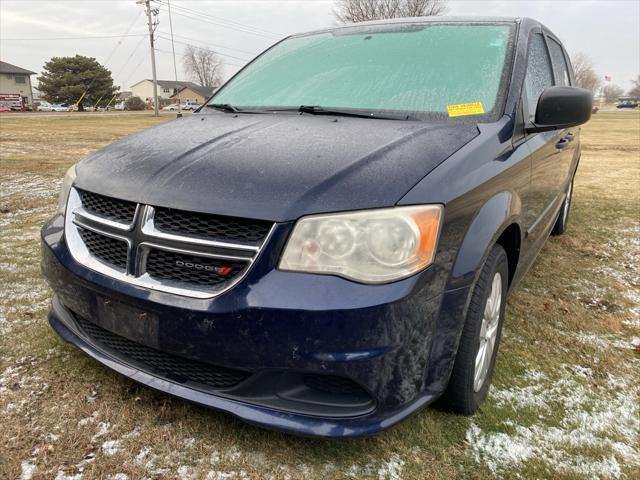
(496, 222)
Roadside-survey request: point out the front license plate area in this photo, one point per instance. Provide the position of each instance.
(129, 322)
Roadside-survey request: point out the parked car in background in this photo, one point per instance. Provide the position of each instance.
(627, 104)
(171, 106)
(58, 107)
(44, 107)
(191, 106)
(328, 245)
(120, 106)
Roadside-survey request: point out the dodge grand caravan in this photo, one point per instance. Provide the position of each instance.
(327, 245)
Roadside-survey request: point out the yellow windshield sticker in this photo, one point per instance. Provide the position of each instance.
(460, 109)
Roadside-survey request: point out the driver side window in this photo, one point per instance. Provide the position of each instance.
(539, 75)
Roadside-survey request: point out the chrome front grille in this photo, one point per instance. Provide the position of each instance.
(193, 254)
(193, 270)
(211, 226)
(109, 250)
(107, 207)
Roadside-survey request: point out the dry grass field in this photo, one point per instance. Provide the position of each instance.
(564, 404)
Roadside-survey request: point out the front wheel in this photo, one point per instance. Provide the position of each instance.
(475, 361)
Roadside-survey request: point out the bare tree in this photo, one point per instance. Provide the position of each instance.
(611, 92)
(203, 66)
(584, 72)
(635, 90)
(352, 11)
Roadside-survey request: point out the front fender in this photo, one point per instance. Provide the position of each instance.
(489, 223)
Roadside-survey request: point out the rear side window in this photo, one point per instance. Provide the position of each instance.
(559, 63)
(539, 74)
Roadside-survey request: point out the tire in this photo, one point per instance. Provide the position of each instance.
(466, 389)
(563, 217)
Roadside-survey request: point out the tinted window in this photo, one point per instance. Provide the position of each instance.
(539, 74)
(559, 64)
(408, 68)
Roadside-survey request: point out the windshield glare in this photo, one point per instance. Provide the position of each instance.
(407, 68)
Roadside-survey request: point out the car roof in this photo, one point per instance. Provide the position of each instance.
(524, 22)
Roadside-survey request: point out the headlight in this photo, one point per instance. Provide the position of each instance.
(69, 178)
(369, 246)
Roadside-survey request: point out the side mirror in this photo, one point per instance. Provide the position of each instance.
(562, 107)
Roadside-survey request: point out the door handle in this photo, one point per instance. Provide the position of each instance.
(563, 143)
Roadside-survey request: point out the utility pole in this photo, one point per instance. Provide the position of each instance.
(175, 68)
(152, 25)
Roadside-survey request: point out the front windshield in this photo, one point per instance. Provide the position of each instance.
(450, 69)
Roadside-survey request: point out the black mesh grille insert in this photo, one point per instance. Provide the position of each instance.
(163, 364)
(107, 249)
(111, 208)
(333, 384)
(191, 269)
(215, 227)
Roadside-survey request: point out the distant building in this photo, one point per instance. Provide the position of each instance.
(16, 80)
(166, 89)
(193, 94)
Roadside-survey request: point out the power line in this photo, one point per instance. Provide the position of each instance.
(211, 44)
(115, 48)
(121, 37)
(217, 53)
(135, 69)
(201, 18)
(87, 37)
(226, 21)
(226, 62)
(135, 50)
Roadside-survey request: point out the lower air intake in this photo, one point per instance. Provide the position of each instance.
(160, 363)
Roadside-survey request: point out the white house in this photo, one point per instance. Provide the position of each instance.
(166, 88)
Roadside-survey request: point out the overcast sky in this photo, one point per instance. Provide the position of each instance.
(33, 31)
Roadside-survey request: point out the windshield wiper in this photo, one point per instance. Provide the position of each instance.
(225, 107)
(318, 110)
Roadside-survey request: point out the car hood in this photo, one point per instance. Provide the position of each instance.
(271, 166)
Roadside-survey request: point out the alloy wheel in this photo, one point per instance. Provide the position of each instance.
(488, 332)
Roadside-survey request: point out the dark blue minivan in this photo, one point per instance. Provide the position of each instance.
(327, 245)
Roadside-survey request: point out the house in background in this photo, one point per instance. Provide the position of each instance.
(16, 81)
(166, 89)
(193, 94)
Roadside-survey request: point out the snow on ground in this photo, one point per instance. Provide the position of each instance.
(29, 185)
(590, 419)
(24, 291)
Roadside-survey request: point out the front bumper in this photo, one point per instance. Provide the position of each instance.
(276, 327)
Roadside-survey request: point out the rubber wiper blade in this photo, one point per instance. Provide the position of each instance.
(225, 107)
(318, 110)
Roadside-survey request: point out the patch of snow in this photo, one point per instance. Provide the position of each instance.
(30, 185)
(230, 475)
(118, 476)
(142, 455)
(604, 342)
(391, 469)
(186, 473)
(589, 419)
(103, 428)
(90, 419)
(633, 322)
(111, 447)
(27, 469)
